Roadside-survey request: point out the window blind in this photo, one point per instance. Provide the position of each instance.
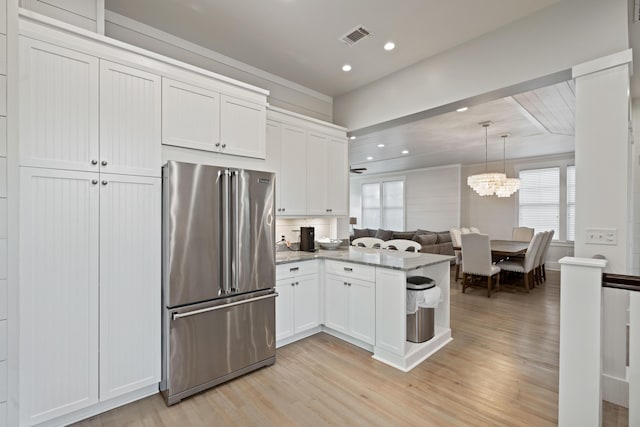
(383, 205)
(539, 200)
(371, 205)
(571, 203)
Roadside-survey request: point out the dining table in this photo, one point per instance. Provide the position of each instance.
(505, 248)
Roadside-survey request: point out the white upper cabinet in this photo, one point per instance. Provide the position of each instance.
(205, 119)
(129, 283)
(80, 113)
(190, 116)
(129, 120)
(327, 165)
(293, 173)
(242, 127)
(81, 13)
(58, 107)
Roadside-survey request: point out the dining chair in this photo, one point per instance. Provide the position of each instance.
(474, 229)
(544, 254)
(524, 265)
(476, 261)
(537, 269)
(455, 240)
(367, 242)
(522, 234)
(402, 245)
(465, 230)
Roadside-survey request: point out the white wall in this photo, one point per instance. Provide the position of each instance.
(284, 94)
(432, 197)
(554, 39)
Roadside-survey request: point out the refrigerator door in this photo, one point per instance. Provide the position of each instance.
(253, 240)
(193, 233)
(214, 342)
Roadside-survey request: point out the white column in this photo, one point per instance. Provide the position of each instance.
(580, 397)
(634, 359)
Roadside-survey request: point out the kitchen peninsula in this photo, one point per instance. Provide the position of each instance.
(359, 295)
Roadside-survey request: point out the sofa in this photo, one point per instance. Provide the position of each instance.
(433, 242)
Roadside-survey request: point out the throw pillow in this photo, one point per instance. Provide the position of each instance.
(405, 235)
(426, 239)
(384, 234)
(444, 237)
(360, 232)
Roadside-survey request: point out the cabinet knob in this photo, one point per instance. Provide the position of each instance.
(349, 284)
(94, 162)
(282, 209)
(297, 283)
(104, 163)
(344, 283)
(293, 284)
(105, 182)
(94, 181)
(224, 145)
(217, 144)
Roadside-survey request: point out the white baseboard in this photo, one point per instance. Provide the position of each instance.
(615, 390)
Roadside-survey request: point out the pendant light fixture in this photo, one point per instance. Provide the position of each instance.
(487, 183)
(510, 185)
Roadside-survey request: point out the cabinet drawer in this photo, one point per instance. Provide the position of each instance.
(284, 271)
(347, 269)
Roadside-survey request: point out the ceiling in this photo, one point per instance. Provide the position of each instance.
(540, 122)
(299, 39)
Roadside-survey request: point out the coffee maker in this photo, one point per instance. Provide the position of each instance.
(307, 238)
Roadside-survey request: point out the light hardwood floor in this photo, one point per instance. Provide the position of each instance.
(500, 370)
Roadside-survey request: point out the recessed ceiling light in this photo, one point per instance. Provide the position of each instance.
(346, 68)
(405, 151)
(462, 110)
(380, 145)
(352, 137)
(389, 46)
(369, 158)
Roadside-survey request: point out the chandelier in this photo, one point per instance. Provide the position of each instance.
(487, 183)
(510, 185)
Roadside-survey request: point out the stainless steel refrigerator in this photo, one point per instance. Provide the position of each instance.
(218, 276)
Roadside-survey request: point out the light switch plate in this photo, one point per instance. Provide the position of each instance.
(602, 236)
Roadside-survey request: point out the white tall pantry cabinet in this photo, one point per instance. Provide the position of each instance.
(90, 230)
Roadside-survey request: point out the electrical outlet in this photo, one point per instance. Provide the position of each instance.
(602, 236)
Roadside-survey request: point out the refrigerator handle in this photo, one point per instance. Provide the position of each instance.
(226, 238)
(175, 316)
(235, 241)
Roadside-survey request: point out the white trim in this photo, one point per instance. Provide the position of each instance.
(100, 20)
(609, 61)
(583, 262)
(404, 172)
(139, 27)
(30, 24)
(272, 109)
(615, 390)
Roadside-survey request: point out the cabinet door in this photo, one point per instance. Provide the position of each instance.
(337, 180)
(362, 304)
(242, 127)
(293, 172)
(58, 292)
(190, 116)
(129, 283)
(129, 120)
(284, 308)
(58, 107)
(305, 303)
(336, 303)
(317, 174)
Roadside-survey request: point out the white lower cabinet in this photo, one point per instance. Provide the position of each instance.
(350, 307)
(296, 305)
(90, 289)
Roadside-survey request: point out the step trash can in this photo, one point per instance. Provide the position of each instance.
(423, 296)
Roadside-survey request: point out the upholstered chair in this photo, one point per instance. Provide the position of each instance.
(476, 261)
(526, 265)
(522, 234)
(465, 230)
(457, 243)
(537, 269)
(544, 254)
(474, 229)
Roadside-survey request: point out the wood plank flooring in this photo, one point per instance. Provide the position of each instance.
(500, 370)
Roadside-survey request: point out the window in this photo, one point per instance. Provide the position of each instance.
(539, 200)
(383, 205)
(547, 200)
(571, 203)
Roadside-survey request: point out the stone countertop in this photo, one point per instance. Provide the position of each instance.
(396, 260)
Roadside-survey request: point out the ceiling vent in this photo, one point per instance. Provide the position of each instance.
(357, 34)
(636, 11)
